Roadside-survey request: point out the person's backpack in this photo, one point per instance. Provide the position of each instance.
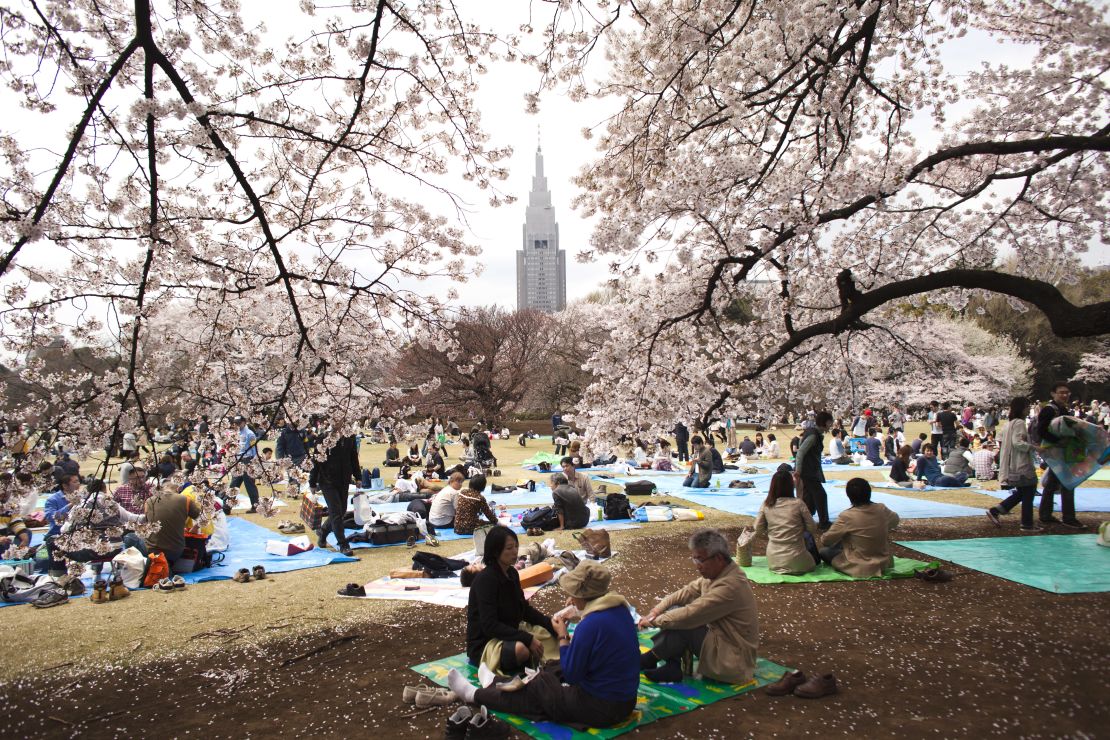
(543, 517)
(157, 568)
(617, 507)
(17, 588)
(639, 488)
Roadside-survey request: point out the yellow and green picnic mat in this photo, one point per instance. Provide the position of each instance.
(655, 701)
(758, 572)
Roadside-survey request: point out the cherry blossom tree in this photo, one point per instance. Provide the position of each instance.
(825, 149)
(227, 224)
(282, 199)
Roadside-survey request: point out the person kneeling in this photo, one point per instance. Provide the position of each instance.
(858, 543)
(722, 599)
(504, 631)
(598, 675)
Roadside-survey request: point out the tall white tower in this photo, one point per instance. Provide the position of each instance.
(541, 267)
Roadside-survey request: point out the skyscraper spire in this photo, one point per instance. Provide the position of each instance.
(540, 265)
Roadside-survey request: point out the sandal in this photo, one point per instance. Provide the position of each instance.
(431, 540)
(259, 573)
(179, 583)
(353, 589)
(242, 576)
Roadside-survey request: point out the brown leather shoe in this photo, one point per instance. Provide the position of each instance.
(816, 687)
(786, 684)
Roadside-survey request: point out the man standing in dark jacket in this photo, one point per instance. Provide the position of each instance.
(1058, 406)
(332, 477)
(808, 464)
(290, 443)
(682, 441)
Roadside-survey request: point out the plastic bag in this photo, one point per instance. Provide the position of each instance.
(131, 566)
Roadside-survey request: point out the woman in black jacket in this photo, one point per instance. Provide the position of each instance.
(502, 629)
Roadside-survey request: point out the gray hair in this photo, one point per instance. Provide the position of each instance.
(711, 541)
(559, 479)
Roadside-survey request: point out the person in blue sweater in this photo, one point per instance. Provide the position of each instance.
(55, 510)
(598, 675)
(929, 469)
(874, 449)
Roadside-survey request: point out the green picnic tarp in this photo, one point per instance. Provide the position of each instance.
(654, 701)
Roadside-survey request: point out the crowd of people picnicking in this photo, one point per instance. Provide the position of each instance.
(595, 677)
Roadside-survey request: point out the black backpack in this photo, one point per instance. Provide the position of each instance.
(543, 517)
(617, 506)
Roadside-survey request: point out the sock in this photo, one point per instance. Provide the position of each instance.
(462, 688)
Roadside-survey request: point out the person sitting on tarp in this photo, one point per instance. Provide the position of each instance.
(503, 631)
(434, 467)
(392, 455)
(598, 675)
(662, 460)
(568, 504)
(718, 462)
(713, 617)
(470, 505)
(959, 460)
(170, 510)
(439, 510)
(928, 469)
(858, 543)
(792, 535)
(900, 469)
(873, 448)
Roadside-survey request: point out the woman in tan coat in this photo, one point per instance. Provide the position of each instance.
(786, 521)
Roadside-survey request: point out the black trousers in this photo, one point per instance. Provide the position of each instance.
(1051, 484)
(683, 451)
(816, 500)
(545, 697)
(671, 644)
(248, 482)
(337, 510)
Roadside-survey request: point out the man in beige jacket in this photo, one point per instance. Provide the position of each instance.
(713, 617)
(858, 544)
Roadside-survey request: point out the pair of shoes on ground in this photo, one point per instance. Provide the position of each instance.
(353, 589)
(797, 684)
(103, 593)
(424, 696)
(244, 575)
(1069, 523)
(535, 532)
(476, 724)
(287, 527)
(177, 583)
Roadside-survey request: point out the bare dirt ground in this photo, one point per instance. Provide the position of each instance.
(976, 657)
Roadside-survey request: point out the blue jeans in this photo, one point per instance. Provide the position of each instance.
(950, 481)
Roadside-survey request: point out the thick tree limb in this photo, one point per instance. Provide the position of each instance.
(1064, 317)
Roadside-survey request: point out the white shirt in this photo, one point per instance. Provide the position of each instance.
(771, 449)
(442, 510)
